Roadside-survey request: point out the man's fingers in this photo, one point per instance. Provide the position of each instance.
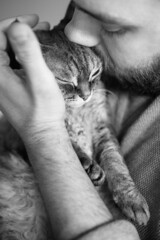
(31, 20)
(3, 41)
(14, 100)
(4, 59)
(42, 26)
(28, 53)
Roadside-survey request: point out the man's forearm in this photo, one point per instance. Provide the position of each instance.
(73, 204)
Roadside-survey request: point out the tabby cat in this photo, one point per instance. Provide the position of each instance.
(88, 120)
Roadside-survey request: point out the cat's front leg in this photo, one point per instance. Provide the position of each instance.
(94, 171)
(120, 183)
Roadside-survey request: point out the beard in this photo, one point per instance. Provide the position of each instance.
(143, 80)
(140, 79)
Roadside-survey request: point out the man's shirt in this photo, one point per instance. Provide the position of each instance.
(136, 120)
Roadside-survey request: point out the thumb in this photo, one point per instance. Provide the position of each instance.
(28, 52)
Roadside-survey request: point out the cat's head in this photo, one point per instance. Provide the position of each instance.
(76, 68)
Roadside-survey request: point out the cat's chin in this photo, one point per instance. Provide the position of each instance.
(75, 104)
(78, 102)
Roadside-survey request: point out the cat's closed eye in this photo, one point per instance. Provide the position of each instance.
(69, 87)
(95, 73)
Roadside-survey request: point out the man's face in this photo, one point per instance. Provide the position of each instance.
(129, 32)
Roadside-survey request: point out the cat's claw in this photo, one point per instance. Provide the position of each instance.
(133, 205)
(86, 163)
(96, 174)
(94, 171)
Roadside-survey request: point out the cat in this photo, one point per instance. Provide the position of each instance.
(77, 70)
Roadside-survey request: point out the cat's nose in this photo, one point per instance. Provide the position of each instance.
(85, 97)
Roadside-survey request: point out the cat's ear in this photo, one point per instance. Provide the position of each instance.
(44, 37)
(67, 18)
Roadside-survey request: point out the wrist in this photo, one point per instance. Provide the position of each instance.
(45, 134)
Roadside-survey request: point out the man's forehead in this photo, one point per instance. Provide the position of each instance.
(87, 3)
(118, 10)
(105, 10)
(101, 5)
(90, 4)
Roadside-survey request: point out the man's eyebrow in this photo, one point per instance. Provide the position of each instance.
(105, 19)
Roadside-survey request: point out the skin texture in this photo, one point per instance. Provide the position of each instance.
(130, 41)
(31, 107)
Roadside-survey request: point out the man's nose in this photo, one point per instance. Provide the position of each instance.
(83, 29)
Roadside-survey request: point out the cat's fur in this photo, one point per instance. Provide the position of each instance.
(88, 121)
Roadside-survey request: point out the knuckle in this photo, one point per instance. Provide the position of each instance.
(20, 33)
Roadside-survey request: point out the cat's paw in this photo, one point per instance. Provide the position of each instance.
(133, 205)
(96, 174)
(86, 162)
(94, 171)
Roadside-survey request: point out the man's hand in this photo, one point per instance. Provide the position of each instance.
(36, 101)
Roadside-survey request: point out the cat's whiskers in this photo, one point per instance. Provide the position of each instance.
(106, 91)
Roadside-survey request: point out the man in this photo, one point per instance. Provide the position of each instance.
(129, 33)
(36, 109)
(37, 124)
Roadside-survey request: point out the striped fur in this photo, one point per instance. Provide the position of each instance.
(77, 70)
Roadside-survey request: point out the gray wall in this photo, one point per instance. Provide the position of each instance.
(49, 10)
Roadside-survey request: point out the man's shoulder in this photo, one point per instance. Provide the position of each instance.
(141, 123)
(140, 144)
